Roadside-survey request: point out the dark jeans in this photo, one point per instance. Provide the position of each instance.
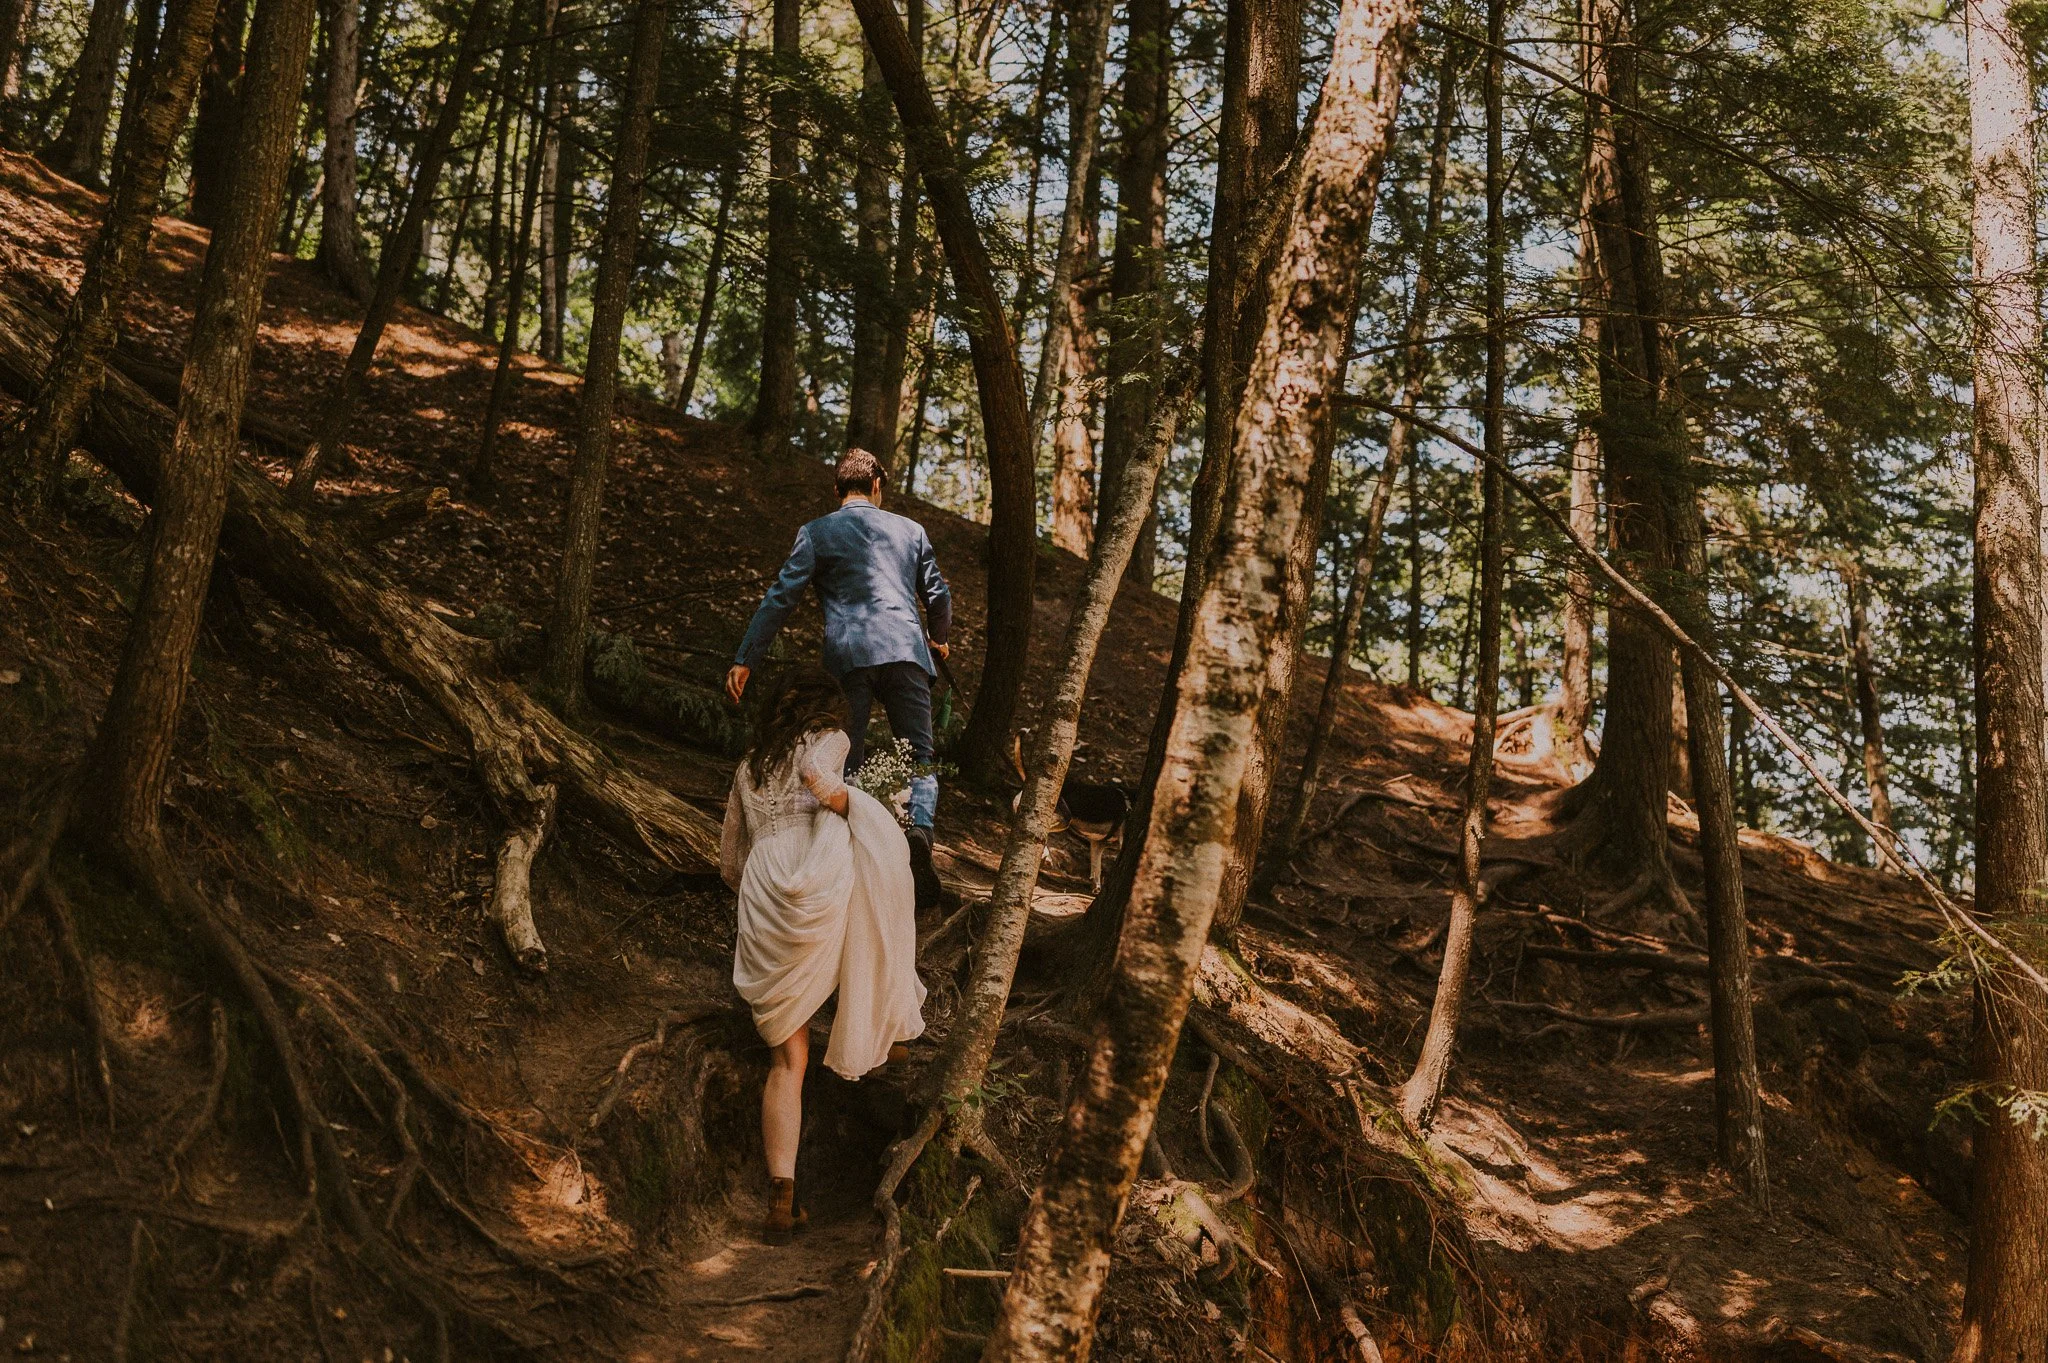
(905, 690)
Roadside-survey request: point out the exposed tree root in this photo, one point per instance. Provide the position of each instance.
(65, 931)
(1647, 1021)
(124, 1320)
(33, 851)
(512, 891)
(1368, 1348)
(615, 1087)
(882, 1278)
(209, 1099)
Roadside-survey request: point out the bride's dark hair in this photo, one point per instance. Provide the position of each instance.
(804, 704)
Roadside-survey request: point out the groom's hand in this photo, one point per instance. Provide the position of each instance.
(736, 682)
(942, 650)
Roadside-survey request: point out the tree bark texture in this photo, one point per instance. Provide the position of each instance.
(569, 622)
(1137, 267)
(80, 149)
(1625, 796)
(1424, 1090)
(400, 252)
(92, 325)
(483, 466)
(2005, 1300)
(1869, 701)
(774, 419)
(714, 261)
(340, 252)
(1415, 367)
(131, 752)
(1073, 433)
(220, 100)
(557, 215)
(1261, 88)
(1048, 1311)
(1086, 55)
(14, 38)
(1013, 510)
(909, 283)
(1575, 698)
(301, 562)
(870, 407)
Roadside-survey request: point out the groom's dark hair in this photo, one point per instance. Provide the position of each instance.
(858, 469)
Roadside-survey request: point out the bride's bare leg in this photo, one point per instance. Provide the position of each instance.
(782, 1103)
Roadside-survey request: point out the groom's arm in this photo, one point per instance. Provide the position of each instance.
(780, 600)
(938, 598)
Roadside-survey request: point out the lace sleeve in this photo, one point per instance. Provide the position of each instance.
(824, 761)
(733, 842)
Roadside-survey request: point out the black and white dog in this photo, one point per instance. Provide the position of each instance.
(1094, 809)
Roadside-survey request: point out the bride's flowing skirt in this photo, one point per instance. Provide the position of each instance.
(830, 907)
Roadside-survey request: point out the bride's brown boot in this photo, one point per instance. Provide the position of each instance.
(785, 1218)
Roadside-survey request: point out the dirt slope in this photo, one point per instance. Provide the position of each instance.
(323, 803)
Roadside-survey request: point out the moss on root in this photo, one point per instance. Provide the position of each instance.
(924, 1302)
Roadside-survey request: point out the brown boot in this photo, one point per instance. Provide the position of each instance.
(785, 1218)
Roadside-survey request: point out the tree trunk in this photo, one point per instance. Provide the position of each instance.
(1400, 440)
(1261, 89)
(14, 41)
(1073, 434)
(81, 145)
(1048, 1311)
(870, 407)
(149, 127)
(1575, 700)
(149, 27)
(499, 121)
(557, 217)
(483, 467)
(1035, 118)
(1623, 801)
(728, 190)
(1086, 55)
(561, 677)
(1137, 267)
(1424, 1090)
(1414, 622)
(908, 288)
(1013, 519)
(774, 416)
(444, 295)
(218, 122)
(2005, 1300)
(1869, 704)
(131, 752)
(340, 253)
(398, 256)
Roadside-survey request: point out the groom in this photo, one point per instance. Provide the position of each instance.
(871, 569)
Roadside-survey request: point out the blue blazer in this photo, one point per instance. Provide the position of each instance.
(871, 568)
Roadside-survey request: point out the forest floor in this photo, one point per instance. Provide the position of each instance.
(322, 804)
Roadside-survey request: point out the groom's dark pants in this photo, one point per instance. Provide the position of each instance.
(905, 690)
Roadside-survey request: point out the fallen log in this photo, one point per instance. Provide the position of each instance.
(517, 747)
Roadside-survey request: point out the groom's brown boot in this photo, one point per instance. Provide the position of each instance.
(785, 1218)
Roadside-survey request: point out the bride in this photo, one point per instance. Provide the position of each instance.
(826, 903)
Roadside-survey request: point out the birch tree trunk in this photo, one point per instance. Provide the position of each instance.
(2005, 1300)
(131, 752)
(1424, 1090)
(81, 145)
(1073, 428)
(338, 415)
(774, 416)
(1137, 269)
(561, 678)
(1013, 515)
(341, 241)
(77, 365)
(1048, 1311)
(1400, 441)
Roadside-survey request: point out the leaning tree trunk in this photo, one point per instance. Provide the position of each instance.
(1013, 514)
(396, 264)
(483, 477)
(1048, 1311)
(340, 252)
(216, 126)
(561, 678)
(774, 416)
(1261, 92)
(1424, 1090)
(81, 144)
(870, 407)
(1621, 806)
(306, 564)
(132, 749)
(148, 129)
(2005, 1299)
(1415, 367)
(1137, 267)
(1575, 690)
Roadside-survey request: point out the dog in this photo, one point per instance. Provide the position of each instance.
(1094, 809)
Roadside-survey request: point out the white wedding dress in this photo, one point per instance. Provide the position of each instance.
(826, 905)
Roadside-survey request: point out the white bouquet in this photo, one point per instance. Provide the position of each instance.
(886, 775)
